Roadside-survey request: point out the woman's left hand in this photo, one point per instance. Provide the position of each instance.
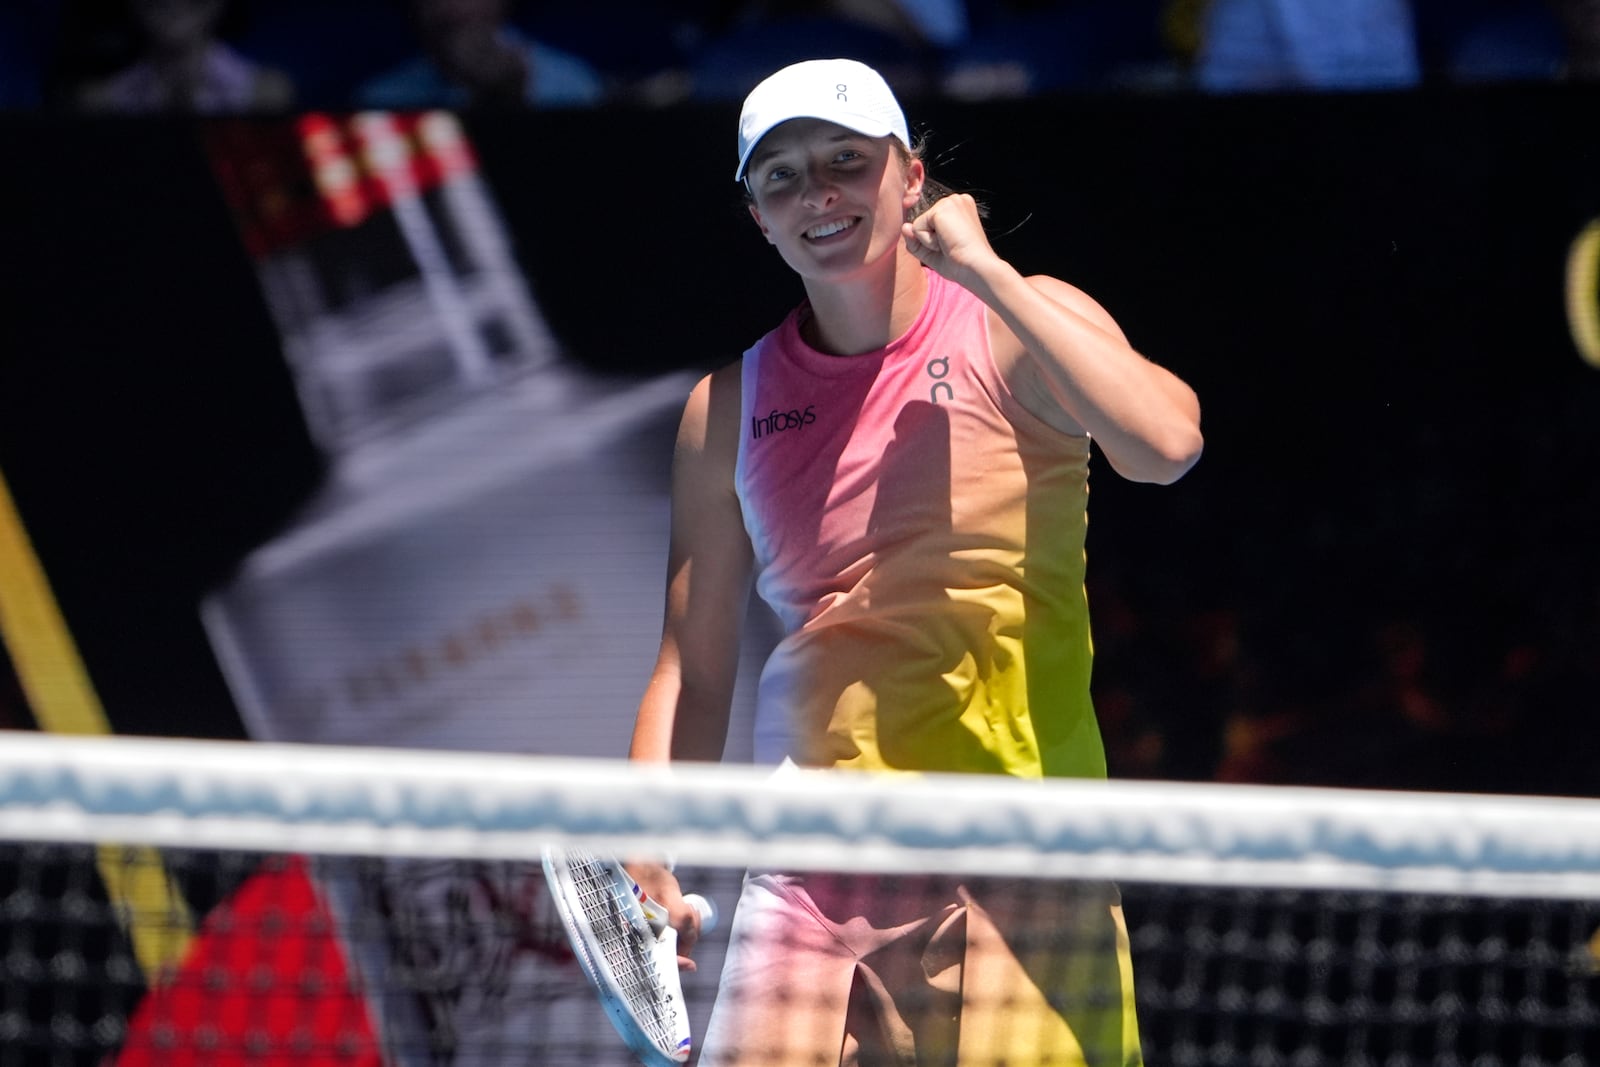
(949, 238)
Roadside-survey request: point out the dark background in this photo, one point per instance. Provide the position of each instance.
(1382, 572)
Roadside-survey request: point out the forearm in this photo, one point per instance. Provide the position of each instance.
(679, 722)
(1144, 418)
(654, 734)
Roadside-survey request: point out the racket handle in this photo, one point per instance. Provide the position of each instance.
(707, 910)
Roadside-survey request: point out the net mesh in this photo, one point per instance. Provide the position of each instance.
(332, 906)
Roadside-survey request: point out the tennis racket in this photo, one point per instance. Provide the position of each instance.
(626, 949)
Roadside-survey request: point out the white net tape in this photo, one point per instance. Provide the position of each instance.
(325, 799)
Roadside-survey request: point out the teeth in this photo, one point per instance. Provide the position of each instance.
(828, 229)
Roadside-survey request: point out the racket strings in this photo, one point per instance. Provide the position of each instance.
(628, 950)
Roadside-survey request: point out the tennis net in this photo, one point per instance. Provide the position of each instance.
(188, 902)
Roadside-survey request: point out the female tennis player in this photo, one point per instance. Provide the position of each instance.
(902, 463)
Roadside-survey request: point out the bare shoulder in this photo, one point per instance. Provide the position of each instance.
(1008, 348)
(709, 432)
(714, 400)
(1071, 297)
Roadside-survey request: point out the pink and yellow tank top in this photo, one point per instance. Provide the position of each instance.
(921, 537)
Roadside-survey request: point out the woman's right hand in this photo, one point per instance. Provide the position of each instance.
(661, 885)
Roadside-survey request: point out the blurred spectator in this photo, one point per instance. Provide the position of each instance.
(1479, 41)
(1020, 48)
(327, 49)
(757, 37)
(917, 23)
(1580, 27)
(931, 23)
(474, 56)
(642, 49)
(182, 65)
(1259, 45)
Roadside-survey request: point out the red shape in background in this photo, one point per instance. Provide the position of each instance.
(266, 981)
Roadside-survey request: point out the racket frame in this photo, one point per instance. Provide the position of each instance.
(647, 921)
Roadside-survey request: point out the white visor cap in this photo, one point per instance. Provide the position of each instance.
(844, 91)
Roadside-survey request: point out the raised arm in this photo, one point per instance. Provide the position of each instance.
(1062, 354)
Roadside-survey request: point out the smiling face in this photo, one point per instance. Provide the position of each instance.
(831, 200)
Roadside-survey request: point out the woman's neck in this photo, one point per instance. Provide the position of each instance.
(864, 314)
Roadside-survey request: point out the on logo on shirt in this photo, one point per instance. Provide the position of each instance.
(938, 369)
